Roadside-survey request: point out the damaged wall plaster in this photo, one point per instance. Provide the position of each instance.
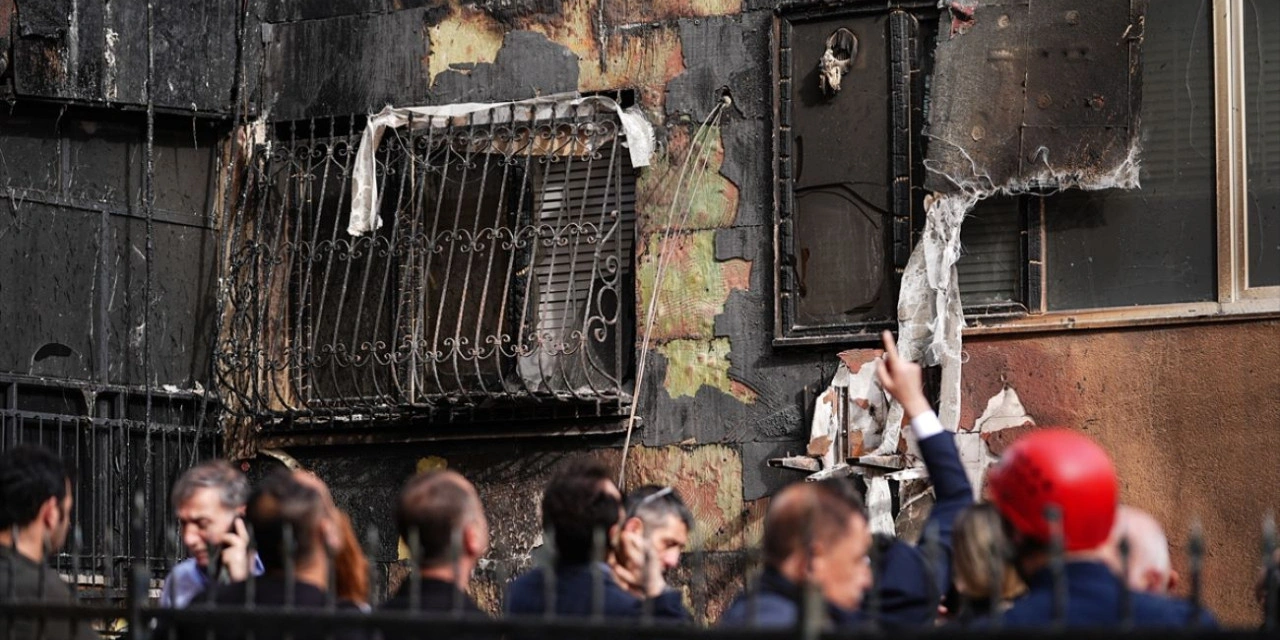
(693, 364)
(678, 224)
(1086, 140)
(696, 287)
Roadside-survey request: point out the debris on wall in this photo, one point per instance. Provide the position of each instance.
(848, 419)
(693, 364)
(1005, 118)
(980, 446)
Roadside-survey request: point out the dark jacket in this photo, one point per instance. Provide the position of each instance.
(270, 591)
(435, 597)
(906, 596)
(776, 602)
(574, 589)
(903, 590)
(22, 578)
(1095, 599)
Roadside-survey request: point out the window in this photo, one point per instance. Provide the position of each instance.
(1199, 238)
(1262, 118)
(116, 456)
(1192, 242)
(847, 166)
(498, 285)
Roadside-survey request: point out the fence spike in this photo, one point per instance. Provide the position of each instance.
(932, 555)
(373, 542)
(290, 570)
(1195, 550)
(597, 575)
(549, 576)
(1270, 570)
(1057, 564)
(455, 558)
(996, 574)
(1126, 596)
(415, 573)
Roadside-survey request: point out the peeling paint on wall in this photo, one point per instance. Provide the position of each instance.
(627, 13)
(695, 289)
(709, 200)
(980, 446)
(693, 364)
(467, 37)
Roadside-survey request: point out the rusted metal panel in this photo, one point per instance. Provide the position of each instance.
(295, 10)
(345, 65)
(1058, 80)
(96, 51)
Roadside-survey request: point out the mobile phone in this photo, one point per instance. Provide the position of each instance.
(216, 571)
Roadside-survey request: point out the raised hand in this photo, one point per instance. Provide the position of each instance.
(901, 379)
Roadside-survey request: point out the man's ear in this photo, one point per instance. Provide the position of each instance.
(1174, 580)
(50, 513)
(633, 525)
(472, 542)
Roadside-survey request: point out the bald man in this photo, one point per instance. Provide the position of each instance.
(1149, 569)
(442, 511)
(814, 532)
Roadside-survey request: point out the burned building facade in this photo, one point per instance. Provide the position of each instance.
(373, 236)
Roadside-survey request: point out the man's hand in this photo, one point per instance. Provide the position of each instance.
(235, 551)
(902, 379)
(638, 570)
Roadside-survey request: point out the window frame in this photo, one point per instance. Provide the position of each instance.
(905, 199)
(1236, 300)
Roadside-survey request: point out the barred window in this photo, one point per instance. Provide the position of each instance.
(495, 280)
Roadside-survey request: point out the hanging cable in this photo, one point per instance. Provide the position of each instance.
(697, 141)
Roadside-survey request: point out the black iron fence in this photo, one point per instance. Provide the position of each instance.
(116, 454)
(133, 613)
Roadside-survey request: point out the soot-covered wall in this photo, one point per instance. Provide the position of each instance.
(1183, 409)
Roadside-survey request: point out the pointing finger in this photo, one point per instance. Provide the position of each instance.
(890, 347)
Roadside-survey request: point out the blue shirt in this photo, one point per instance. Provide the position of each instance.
(1095, 599)
(187, 580)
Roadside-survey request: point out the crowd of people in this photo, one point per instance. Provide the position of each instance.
(1049, 544)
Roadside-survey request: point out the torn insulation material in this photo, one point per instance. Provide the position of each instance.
(1005, 118)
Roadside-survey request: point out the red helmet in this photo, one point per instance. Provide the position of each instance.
(1057, 467)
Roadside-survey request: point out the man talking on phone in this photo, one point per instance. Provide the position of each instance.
(209, 500)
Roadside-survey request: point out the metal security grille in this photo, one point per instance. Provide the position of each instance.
(124, 469)
(498, 285)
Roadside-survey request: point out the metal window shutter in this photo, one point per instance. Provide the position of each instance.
(990, 240)
(578, 189)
